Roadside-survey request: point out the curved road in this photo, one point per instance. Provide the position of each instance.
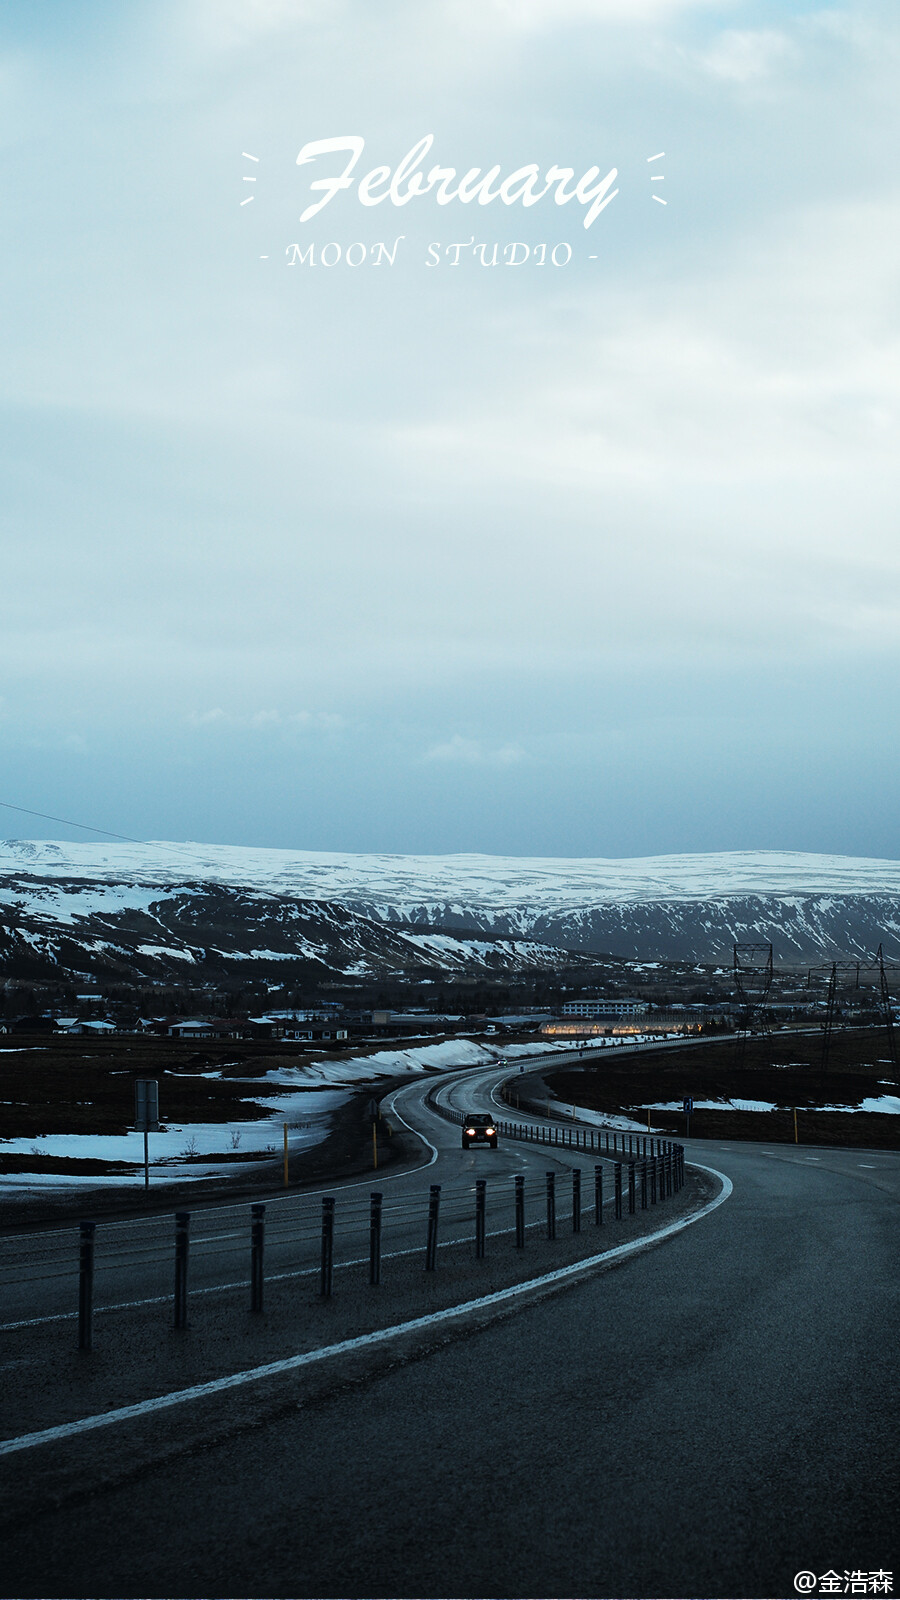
(708, 1419)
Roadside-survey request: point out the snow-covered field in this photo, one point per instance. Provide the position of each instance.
(467, 880)
(638, 1121)
(326, 1083)
(882, 1105)
(174, 1151)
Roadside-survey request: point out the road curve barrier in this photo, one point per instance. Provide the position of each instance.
(647, 1167)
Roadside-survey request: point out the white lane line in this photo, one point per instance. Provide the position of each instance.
(449, 1078)
(392, 1108)
(275, 1277)
(366, 1341)
(271, 1277)
(271, 1199)
(295, 1197)
(869, 1164)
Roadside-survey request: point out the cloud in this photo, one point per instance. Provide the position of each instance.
(803, 381)
(475, 753)
(232, 485)
(202, 719)
(531, 15)
(326, 721)
(746, 56)
(268, 719)
(224, 25)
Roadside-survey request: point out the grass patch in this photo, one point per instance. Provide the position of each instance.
(785, 1069)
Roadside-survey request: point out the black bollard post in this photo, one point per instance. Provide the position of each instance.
(652, 1166)
(576, 1199)
(257, 1245)
(480, 1188)
(632, 1202)
(520, 1212)
(86, 1284)
(618, 1177)
(375, 1200)
(434, 1201)
(598, 1194)
(644, 1185)
(182, 1224)
(326, 1268)
(551, 1205)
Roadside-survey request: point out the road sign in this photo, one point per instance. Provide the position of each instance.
(146, 1105)
(688, 1107)
(146, 1116)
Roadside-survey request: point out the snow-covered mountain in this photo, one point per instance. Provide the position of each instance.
(190, 933)
(178, 903)
(406, 881)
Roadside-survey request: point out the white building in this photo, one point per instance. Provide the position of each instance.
(604, 1008)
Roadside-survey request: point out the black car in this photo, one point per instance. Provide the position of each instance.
(479, 1128)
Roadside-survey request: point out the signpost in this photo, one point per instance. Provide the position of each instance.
(688, 1108)
(373, 1113)
(146, 1115)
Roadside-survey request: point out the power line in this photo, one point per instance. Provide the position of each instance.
(84, 826)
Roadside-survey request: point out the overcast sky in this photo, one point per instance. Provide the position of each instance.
(593, 559)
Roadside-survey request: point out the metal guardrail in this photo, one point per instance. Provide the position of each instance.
(601, 1141)
(653, 1169)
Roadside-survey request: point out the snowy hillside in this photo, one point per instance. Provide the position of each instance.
(156, 905)
(406, 882)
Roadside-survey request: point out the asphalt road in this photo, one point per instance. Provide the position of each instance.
(39, 1268)
(706, 1418)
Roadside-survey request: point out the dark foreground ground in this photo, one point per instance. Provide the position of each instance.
(709, 1418)
(785, 1068)
(345, 1152)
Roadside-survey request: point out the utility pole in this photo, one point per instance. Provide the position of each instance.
(829, 1016)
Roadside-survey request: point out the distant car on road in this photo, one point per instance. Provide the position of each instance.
(479, 1128)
